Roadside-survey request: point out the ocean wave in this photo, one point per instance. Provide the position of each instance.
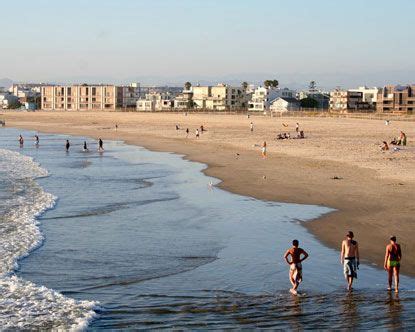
(22, 303)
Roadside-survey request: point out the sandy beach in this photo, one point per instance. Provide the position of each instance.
(338, 165)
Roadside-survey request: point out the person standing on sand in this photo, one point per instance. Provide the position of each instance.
(297, 127)
(264, 150)
(349, 258)
(116, 126)
(251, 126)
(21, 141)
(187, 132)
(392, 263)
(100, 145)
(296, 269)
(67, 145)
(197, 133)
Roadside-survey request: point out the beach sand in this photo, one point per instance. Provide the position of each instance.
(373, 193)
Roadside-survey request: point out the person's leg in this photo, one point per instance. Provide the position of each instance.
(349, 282)
(292, 280)
(390, 275)
(396, 270)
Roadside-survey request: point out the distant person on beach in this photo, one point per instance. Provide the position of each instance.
(392, 263)
(21, 140)
(297, 127)
(349, 258)
(85, 147)
(36, 140)
(116, 126)
(197, 133)
(387, 122)
(177, 127)
(100, 145)
(202, 129)
(264, 150)
(402, 139)
(384, 146)
(187, 132)
(296, 269)
(251, 126)
(67, 145)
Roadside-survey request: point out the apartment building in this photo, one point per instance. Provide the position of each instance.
(344, 100)
(263, 97)
(130, 94)
(396, 99)
(81, 97)
(224, 97)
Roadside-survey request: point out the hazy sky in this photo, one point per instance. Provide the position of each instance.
(163, 41)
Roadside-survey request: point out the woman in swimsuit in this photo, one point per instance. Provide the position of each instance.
(392, 263)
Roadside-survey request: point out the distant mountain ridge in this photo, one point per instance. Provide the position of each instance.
(6, 82)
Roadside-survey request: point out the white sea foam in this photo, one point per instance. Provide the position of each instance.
(22, 303)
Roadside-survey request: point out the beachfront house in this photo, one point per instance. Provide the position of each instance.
(155, 101)
(220, 97)
(184, 100)
(347, 101)
(262, 97)
(284, 104)
(396, 99)
(369, 95)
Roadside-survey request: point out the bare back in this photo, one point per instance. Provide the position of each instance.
(350, 248)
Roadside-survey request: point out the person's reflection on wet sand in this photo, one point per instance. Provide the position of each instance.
(394, 311)
(350, 306)
(295, 307)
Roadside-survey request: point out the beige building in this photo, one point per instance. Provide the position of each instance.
(183, 101)
(220, 97)
(344, 100)
(155, 102)
(81, 97)
(396, 99)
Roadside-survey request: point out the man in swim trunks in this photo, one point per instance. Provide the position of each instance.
(392, 263)
(349, 258)
(296, 269)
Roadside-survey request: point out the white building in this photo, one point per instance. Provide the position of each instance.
(155, 101)
(369, 95)
(262, 98)
(284, 104)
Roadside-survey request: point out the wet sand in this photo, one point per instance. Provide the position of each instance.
(373, 194)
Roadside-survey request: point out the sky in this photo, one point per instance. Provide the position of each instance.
(334, 42)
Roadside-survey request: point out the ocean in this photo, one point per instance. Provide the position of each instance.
(131, 238)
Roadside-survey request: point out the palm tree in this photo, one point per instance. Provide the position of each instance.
(187, 85)
(271, 83)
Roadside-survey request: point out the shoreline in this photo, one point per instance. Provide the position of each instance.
(372, 205)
